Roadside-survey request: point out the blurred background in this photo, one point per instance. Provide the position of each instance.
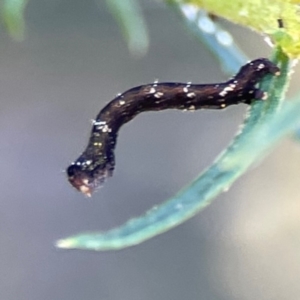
(244, 246)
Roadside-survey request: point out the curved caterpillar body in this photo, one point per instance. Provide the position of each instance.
(97, 162)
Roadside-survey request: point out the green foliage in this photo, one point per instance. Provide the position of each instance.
(261, 16)
(219, 41)
(127, 13)
(12, 13)
(129, 16)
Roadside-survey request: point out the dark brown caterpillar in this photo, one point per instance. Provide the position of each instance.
(97, 162)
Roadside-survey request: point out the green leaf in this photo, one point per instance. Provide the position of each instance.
(12, 12)
(219, 41)
(262, 128)
(262, 16)
(129, 16)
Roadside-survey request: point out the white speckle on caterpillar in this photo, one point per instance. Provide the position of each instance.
(227, 89)
(106, 128)
(260, 66)
(191, 95)
(264, 96)
(99, 123)
(158, 95)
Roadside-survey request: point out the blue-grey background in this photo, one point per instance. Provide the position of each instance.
(244, 246)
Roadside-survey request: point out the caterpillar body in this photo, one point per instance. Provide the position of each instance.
(97, 161)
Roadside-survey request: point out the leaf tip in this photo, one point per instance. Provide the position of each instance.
(66, 244)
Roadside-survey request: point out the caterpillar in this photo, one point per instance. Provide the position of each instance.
(97, 162)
